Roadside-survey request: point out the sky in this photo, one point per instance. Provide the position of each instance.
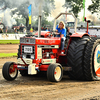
(59, 8)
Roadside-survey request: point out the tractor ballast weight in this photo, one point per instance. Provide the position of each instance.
(81, 58)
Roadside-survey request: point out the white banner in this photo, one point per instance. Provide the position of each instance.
(11, 36)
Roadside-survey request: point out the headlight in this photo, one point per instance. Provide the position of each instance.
(22, 40)
(27, 40)
(24, 56)
(32, 41)
(32, 56)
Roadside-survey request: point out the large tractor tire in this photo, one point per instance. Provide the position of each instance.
(75, 57)
(82, 57)
(92, 60)
(8, 72)
(55, 72)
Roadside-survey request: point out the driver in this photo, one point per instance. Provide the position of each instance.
(61, 32)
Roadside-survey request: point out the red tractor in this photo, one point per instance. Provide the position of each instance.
(81, 58)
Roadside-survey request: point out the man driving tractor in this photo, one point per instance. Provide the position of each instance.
(61, 32)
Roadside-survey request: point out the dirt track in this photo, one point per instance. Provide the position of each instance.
(39, 88)
(10, 48)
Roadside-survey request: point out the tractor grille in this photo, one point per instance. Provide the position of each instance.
(28, 54)
(27, 40)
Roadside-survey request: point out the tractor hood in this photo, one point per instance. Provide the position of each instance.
(43, 33)
(48, 41)
(40, 41)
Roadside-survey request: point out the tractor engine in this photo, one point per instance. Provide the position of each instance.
(37, 52)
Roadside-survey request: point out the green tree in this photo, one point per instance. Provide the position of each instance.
(48, 6)
(22, 7)
(95, 6)
(75, 6)
(20, 21)
(44, 22)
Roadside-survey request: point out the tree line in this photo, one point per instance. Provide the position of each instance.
(74, 6)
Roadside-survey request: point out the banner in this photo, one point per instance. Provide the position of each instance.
(30, 13)
(83, 9)
(30, 19)
(11, 36)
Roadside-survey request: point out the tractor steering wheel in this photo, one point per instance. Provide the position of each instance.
(53, 33)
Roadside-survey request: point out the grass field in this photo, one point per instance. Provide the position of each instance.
(9, 41)
(8, 55)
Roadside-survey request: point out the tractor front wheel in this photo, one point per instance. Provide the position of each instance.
(9, 72)
(54, 72)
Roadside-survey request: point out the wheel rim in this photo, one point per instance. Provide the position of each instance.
(97, 60)
(57, 73)
(11, 72)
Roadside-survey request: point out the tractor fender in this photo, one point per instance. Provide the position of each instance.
(79, 35)
(43, 33)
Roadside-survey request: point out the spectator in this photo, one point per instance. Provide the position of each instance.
(47, 29)
(6, 29)
(1, 30)
(31, 30)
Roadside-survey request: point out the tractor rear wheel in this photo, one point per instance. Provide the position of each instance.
(8, 71)
(92, 60)
(75, 57)
(54, 72)
(84, 58)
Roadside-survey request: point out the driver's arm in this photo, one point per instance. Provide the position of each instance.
(56, 31)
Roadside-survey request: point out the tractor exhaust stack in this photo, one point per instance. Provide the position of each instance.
(40, 15)
(39, 26)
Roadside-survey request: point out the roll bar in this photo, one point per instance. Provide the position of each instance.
(54, 27)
